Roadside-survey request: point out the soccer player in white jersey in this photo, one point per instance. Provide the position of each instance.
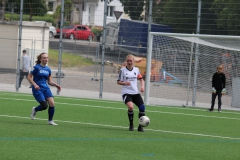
(128, 77)
(39, 77)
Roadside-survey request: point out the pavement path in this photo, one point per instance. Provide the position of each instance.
(105, 96)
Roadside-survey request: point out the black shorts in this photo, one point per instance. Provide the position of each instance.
(135, 98)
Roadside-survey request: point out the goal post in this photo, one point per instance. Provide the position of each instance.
(189, 61)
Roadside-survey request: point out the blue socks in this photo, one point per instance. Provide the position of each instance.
(38, 108)
(50, 113)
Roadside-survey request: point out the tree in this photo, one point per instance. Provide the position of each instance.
(2, 9)
(157, 9)
(227, 12)
(182, 16)
(67, 11)
(31, 7)
(134, 8)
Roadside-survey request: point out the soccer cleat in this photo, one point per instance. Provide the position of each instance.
(52, 123)
(33, 114)
(219, 110)
(140, 128)
(131, 128)
(210, 110)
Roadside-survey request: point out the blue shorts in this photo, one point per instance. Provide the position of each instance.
(42, 94)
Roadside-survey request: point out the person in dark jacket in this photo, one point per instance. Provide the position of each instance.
(218, 87)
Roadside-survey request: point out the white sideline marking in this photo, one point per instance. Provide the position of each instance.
(104, 125)
(120, 102)
(84, 105)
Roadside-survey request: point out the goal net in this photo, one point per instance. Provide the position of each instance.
(188, 64)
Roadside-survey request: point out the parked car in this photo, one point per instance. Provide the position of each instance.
(76, 32)
(52, 30)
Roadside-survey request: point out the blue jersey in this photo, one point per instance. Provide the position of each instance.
(41, 75)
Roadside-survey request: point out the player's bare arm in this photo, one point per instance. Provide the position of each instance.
(142, 85)
(30, 79)
(123, 83)
(50, 82)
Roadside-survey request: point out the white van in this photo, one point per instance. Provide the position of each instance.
(112, 29)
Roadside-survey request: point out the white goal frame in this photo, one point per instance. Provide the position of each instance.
(150, 48)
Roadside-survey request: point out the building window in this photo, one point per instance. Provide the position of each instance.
(50, 6)
(110, 10)
(113, 33)
(107, 32)
(77, 7)
(68, 11)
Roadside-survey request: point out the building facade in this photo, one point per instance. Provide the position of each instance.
(89, 12)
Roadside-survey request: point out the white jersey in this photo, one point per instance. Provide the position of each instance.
(126, 75)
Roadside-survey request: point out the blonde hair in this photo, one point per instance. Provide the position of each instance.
(130, 56)
(220, 66)
(38, 61)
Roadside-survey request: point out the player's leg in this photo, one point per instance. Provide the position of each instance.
(137, 99)
(127, 99)
(219, 93)
(213, 101)
(43, 103)
(39, 96)
(51, 110)
(43, 106)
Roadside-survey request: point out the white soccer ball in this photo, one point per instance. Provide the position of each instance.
(144, 121)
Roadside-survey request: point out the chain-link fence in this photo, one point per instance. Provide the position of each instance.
(88, 40)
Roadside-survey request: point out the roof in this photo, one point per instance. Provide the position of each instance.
(143, 22)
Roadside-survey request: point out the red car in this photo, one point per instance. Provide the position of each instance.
(77, 32)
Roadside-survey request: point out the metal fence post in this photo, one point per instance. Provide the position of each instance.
(19, 46)
(196, 55)
(103, 48)
(60, 47)
(96, 62)
(149, 56)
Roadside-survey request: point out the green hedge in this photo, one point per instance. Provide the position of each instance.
(46, 18)
(96, 31)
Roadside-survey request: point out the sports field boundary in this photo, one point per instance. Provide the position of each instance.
(113, 126)
(106, 96)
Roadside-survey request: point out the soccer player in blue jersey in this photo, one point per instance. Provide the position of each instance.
(39, 77)
(128, 77)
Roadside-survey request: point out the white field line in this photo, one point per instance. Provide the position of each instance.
(111, 126)
(120, 102)
(173, 113)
